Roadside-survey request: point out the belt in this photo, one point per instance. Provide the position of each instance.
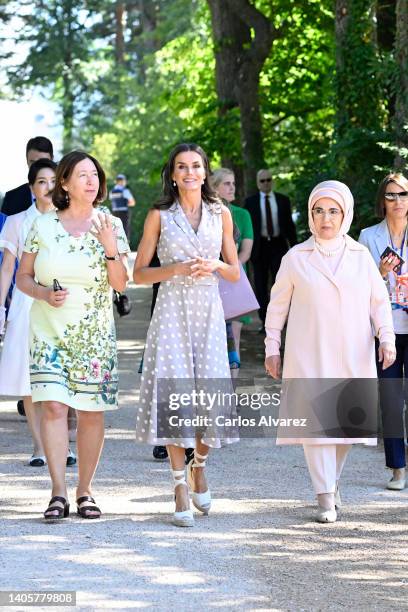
(190, 281)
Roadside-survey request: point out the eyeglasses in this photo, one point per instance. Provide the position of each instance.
(269, 180)
(401, 195)
(332, 212)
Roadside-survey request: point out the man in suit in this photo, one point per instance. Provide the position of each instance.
(19, 199)
(274, 234)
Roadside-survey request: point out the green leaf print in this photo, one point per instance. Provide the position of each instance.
(83, 357)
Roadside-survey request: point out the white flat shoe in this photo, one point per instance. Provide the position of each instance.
(182, 518)
(202, 501)
(71, 458)
(37, 461)
(396, 485)
(326, 516)
(337, 498)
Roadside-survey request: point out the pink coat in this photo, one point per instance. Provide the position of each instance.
(332, 319)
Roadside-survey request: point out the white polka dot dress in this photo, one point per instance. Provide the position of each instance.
(186, 342)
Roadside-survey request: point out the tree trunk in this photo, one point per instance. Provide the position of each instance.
(243, 38)
(401, 106)
(143, 18)
(251, 127)
(228, 34)
(386, 24)
(358, 91)
(119, 37)
(385, 15)
(341, 27)
(68, 96)
(68, 106)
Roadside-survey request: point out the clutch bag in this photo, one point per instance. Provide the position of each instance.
(237, 298)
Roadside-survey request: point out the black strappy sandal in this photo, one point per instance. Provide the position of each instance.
(83, 510)
(63, 512)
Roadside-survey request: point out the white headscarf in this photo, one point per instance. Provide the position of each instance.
(340, 193)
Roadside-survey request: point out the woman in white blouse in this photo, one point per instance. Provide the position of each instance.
(14, 361)
(392, 208)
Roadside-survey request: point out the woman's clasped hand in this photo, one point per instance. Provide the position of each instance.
(197, 268)
(204, 267)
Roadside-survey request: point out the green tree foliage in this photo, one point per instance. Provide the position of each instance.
(361, 113)
(296, 90)
(176, 100)
(59, 56)
(135, 77)
(243, 37)
(5, 46)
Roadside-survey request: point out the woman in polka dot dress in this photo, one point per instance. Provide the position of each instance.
(186, 349)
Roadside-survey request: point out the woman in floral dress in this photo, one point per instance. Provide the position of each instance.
(73, 257)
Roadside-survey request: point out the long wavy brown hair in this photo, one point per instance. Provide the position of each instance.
(170, 192)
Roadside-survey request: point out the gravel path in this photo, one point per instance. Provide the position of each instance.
(258, 550)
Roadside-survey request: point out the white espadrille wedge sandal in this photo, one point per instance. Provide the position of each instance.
(184, 518)
(202, 501)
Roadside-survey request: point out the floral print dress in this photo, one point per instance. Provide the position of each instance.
(73, 356)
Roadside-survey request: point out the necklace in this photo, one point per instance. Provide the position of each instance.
(327, 252)
(401, 236)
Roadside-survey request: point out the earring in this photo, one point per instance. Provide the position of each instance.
(174, 183)
(67, 197)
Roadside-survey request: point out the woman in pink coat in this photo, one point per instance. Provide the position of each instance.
(335, 301)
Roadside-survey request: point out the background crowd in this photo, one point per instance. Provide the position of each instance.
(60, 337)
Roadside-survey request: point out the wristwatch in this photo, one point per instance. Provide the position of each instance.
(115, 258)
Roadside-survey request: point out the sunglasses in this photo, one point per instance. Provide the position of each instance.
(265, 180)
(402, 195)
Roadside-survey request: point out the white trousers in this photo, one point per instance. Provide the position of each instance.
(325, 463)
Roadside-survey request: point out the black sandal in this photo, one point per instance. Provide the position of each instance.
(160, 453)
(83, 510)
(63, 512)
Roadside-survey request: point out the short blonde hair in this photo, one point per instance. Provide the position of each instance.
(218, 176)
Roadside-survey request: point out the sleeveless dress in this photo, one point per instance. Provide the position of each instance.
(73, 356)
(186, 347)
(14, 361)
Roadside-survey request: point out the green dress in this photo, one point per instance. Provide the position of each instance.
(73, 356)
(243, 221)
